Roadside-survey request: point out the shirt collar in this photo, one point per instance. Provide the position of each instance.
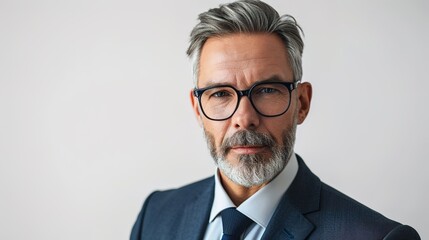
(261, 205)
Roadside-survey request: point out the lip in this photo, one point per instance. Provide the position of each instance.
(247, 149)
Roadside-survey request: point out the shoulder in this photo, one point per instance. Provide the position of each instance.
(338, 216)
(163, 210)
(343, 214)
(180, 195)
(335, 203)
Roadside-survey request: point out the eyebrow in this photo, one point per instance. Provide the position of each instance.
(274, 78)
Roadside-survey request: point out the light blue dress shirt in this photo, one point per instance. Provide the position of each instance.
(259, 207)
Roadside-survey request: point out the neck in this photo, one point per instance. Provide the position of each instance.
(237, 193)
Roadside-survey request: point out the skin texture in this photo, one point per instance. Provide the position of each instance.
(241, 60)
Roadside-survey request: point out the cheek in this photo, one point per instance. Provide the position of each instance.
(217, 129)
(277, 126)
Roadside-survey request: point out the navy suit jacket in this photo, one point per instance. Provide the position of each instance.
(309, 209)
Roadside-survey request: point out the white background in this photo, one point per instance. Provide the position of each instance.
(95, 114)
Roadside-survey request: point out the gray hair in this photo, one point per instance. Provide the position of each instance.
(247, 16)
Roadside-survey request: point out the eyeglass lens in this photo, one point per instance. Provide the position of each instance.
(269, 99)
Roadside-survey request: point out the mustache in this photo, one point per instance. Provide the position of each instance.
(247, 138)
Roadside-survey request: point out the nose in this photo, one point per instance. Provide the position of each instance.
(245, 117)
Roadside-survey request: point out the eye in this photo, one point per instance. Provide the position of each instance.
(220, 94)
(266, 90)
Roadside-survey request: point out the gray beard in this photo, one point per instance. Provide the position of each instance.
(253, 169)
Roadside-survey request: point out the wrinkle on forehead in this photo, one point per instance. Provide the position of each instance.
(242, 59)
(245, 74)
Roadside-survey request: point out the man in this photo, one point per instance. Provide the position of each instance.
(249, 98)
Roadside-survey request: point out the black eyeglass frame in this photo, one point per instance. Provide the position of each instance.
(198, 92)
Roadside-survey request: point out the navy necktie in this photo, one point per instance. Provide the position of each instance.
(234, 224)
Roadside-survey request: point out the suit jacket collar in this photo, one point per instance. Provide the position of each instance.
(302, 197)
(288, 221)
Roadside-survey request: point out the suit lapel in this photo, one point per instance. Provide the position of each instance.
(288, 223)
(302, 197)
(196, 214)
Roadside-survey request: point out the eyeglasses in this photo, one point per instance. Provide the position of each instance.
(269, 99)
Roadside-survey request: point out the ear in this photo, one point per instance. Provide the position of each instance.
(305, 92)
(195, 107)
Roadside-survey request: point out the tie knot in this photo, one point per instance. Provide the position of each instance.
(234, 223)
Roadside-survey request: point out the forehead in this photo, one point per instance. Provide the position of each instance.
(242, 59)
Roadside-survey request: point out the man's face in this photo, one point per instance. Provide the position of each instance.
(240, 60)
